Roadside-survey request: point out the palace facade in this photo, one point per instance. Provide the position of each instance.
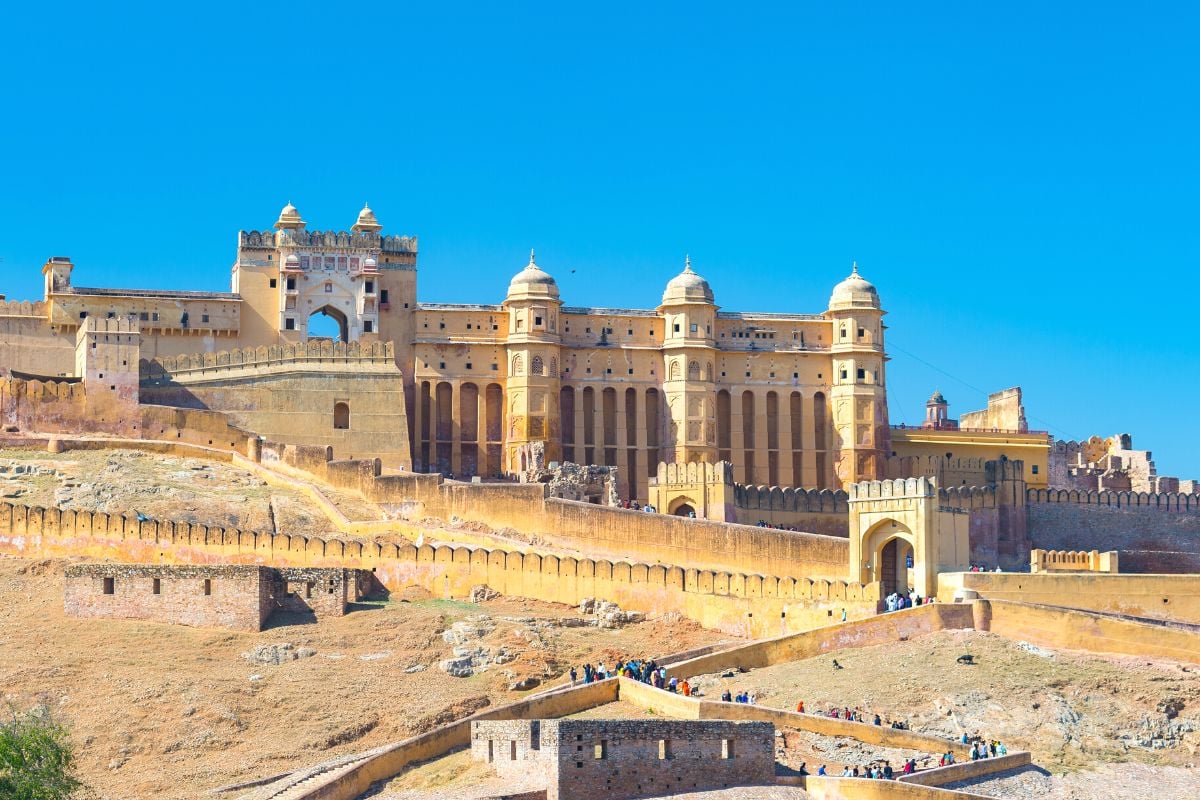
(790, 399)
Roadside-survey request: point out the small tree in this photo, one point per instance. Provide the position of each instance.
(36, 758)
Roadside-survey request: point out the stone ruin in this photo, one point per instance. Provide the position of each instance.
(570, 481)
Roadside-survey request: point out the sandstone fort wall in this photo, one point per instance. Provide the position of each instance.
(745, 604)
(1163, 597)
(614, 532)
(1153, 533)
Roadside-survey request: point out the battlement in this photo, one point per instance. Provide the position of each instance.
(694, 472)
(108, 325)
(346, 240)
(1073, 561)
(899, 487)
(23, 308)
(1158, 501)
(33, 531)
(787, 498)
(312, 351)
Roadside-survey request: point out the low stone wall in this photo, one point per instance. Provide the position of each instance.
(1069, 629)
(968, 770)
(1166, 597)
(878, 629)
(865, 789)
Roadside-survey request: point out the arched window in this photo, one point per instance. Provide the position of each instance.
(535, 366)
(553, 367)
(341, 416)
(694, 371)
(675, 370)
(518, 365)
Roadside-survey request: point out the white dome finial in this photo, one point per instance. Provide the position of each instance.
(687, 263)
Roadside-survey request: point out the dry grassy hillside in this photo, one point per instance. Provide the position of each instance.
(192, 490)
(168, 712)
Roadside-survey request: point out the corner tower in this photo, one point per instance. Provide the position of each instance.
(858, 393)
(688, 353)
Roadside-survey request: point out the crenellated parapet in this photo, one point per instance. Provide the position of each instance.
(694, 472)
(897, 488)
(319, 351)
(789, 499)
(1158, 501)
(23, 308)
(967, 497)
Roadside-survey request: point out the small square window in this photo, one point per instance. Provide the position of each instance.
(608, 371)
(369, 287)
(601, 750)
(157, 586)
(291, 283)
(631, 371)
(274, 283)
(862, 332)
(204, 317)
(207, 587)
(587, 330)
(442, 326)
(110, 586)
(441, 365)
(772, 374)
(843, 374)
(144, 316)
(495, 367)
(289, 324)
(83, 315)
(862, 373)
(329, 288)
(795, 374)
(1035, 469)
(154, 317)
(747, 374)
(468, 365)
(630, 332)
(695, 328)
(676, 327)
(368, 326)
(722, 374)
(537, 320)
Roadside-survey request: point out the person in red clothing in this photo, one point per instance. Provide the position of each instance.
(800, 707)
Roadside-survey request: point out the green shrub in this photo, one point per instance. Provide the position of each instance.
(36, 758)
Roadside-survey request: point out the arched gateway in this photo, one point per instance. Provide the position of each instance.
(901, 538)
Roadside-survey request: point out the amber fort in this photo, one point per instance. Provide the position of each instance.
(732, 472)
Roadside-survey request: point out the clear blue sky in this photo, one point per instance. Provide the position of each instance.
(1018, 179)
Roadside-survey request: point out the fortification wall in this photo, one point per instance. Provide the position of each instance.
(1165, 597)
(740, 603)
(948, 471)
(613, 532)
(70, 408)
(1079, 630)
(1154, 533)
(877, 629)
(814, 510)
(28, 343)
(347, 396)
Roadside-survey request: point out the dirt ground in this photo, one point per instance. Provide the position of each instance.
(168, 488)
(171, 712)
(1087, 719)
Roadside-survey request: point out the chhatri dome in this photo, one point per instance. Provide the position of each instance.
(289, 218)
(366, 221)
(532, 282)
(687, 287)
(854, 292)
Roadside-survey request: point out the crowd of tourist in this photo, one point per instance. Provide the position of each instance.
(644, 670)
(762, 523)
(897, 601)
(854, 715)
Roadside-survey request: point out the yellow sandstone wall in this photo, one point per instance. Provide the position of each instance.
(1165, 597)
(744, 604)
